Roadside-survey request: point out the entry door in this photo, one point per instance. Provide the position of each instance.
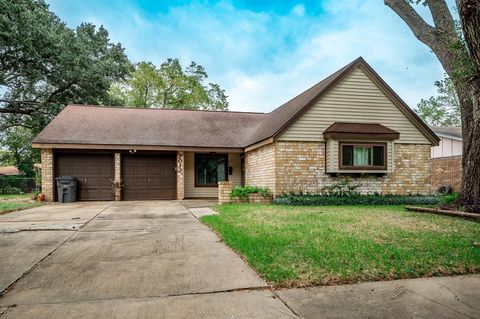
(94, 174)
(148, 177)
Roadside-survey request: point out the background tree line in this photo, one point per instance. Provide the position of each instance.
(45, 65)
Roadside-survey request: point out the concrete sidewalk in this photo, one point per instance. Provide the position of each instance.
(435, 298)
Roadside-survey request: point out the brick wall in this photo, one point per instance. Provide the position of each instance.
(412, 172)
(300, 167)
(47, 174)
(447, 171)
(260, 167)
(118, 177)
(224, 190)
(180, 175)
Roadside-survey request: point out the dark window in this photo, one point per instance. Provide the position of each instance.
(362, 156)
(347, 159)
(210, 169)
(378, 156)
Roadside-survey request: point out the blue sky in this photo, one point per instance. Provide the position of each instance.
(265, 52)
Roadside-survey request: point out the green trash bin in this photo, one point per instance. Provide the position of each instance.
(66, 189)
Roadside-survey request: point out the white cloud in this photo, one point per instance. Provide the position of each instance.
(263, 59)
(299, 10)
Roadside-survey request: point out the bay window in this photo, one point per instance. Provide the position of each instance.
(362, 156)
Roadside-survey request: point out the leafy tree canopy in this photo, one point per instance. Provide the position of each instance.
(169, 86)
(16, 141)
(443, 109)
(45, 65)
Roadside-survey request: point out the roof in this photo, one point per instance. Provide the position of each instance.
(100, 125)
(449, 132)
(80, 124)
(349, 130)
(10, 171)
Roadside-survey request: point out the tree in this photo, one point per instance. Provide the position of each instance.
(443, 109)
(45, 65)
(458, 50)
(18, 150)
(169, 87)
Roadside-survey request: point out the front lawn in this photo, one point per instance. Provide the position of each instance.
(16, 202)
(323, 245)
(25, 196)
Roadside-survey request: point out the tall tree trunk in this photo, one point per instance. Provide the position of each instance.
(462, 64)
(470, 193)
(469, 11)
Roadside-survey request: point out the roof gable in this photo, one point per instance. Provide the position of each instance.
(309, 98)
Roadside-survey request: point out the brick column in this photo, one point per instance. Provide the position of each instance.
(48, 182)
(117, 183)
(224, 190)
(180, 175)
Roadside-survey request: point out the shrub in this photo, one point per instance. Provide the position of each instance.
(25, 184)
(357, 199)
(450, 198)
(242, 192)
(10, 190)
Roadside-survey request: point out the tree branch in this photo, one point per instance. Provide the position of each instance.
(422, 30)
(442, 18)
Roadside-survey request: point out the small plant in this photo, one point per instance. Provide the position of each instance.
(450, 198)
(342, 188)
(242, 192)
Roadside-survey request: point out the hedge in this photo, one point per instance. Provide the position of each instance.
(323, 200)
(21, 183)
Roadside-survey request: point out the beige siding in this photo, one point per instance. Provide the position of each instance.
(212, 192)
(355, 99)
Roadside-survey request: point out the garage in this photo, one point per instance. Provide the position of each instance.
(94, 174)
(148, 176)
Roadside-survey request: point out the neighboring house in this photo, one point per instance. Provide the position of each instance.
(447, 158)
(350, 124)
(10, 171)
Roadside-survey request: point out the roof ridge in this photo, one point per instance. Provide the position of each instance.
(159, 109)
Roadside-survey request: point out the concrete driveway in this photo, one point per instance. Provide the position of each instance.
(124, 260)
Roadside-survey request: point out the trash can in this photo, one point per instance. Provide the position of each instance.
(66, 189)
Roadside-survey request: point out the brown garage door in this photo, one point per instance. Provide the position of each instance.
(148, 177)
(94, 173)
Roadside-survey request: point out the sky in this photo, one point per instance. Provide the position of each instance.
(263, 53)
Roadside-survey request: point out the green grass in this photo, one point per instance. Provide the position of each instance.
(11, 202)
(16, 196)
(11, 206)
(299, 246)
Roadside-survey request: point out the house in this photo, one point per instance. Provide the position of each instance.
(447, 158)
(10, 171)
(349, 124)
